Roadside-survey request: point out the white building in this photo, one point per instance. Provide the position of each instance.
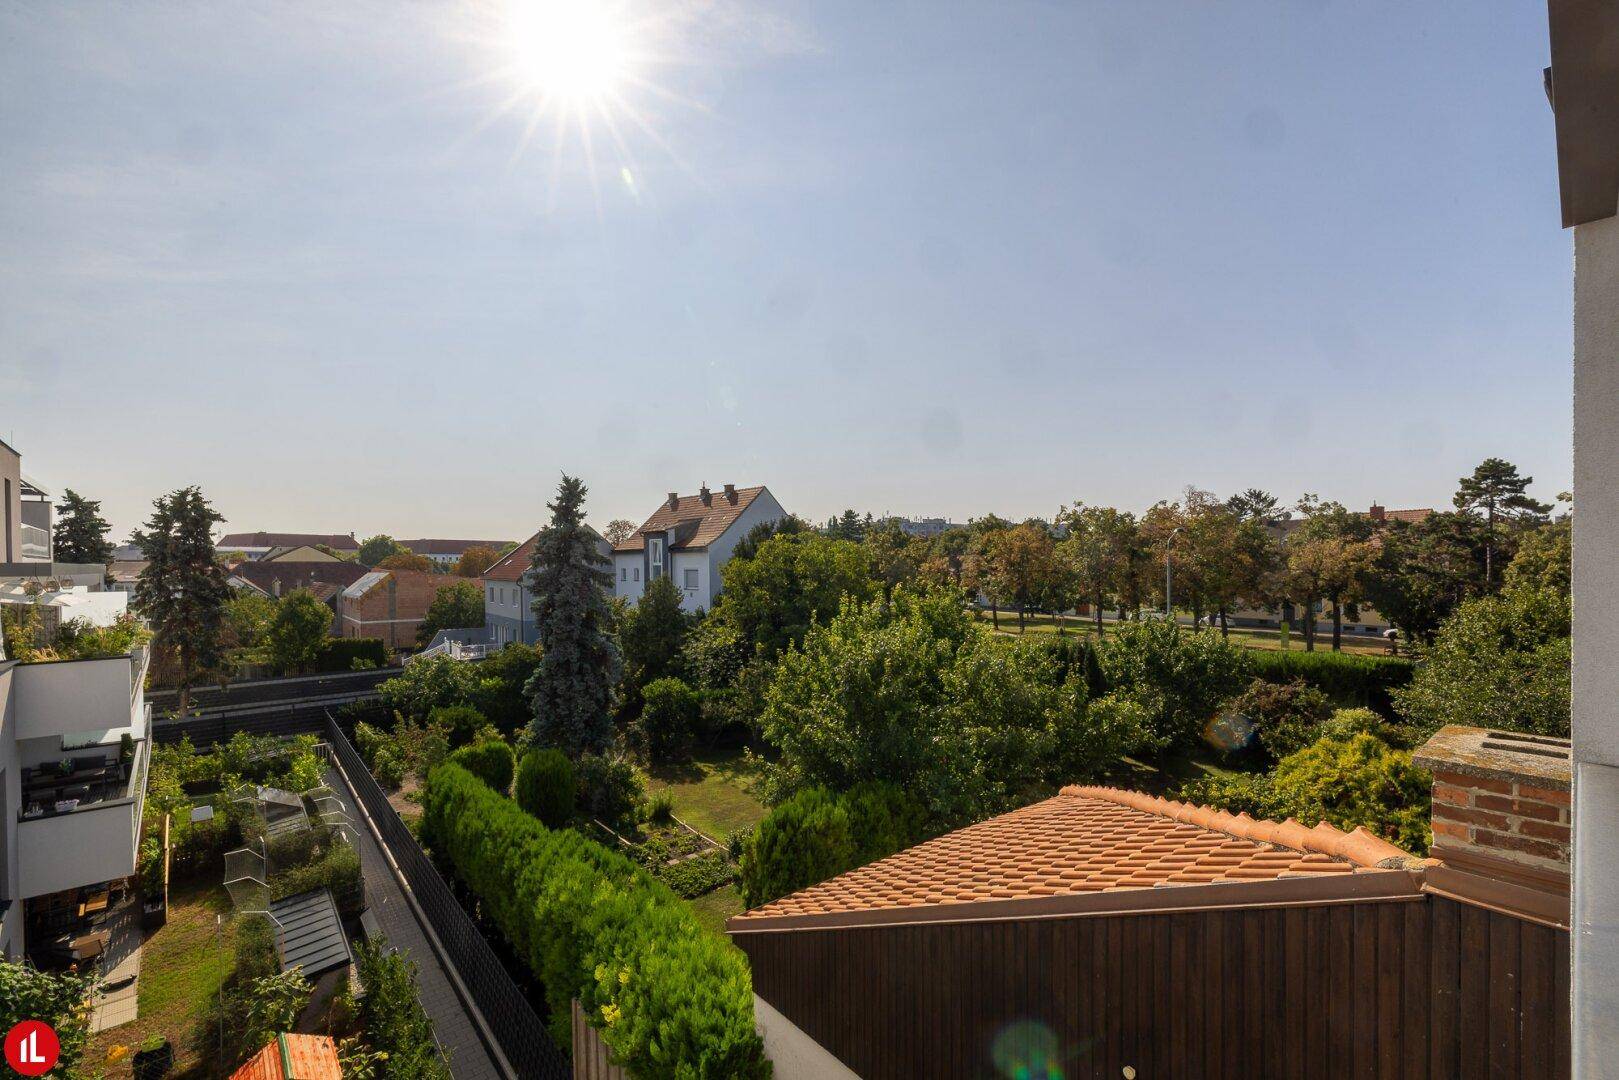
(71, 790)
(689, 538)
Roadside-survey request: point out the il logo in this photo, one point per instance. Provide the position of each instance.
(32, 1048)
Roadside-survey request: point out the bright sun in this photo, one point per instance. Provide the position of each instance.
(572, 51)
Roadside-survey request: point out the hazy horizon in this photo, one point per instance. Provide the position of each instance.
(339, 269)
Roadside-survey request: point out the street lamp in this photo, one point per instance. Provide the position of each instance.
(1169, 575)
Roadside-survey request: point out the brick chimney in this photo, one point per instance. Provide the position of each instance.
(1501, 817)
(673, 501)
(1377, 513)
(705, 495)
(730, 494)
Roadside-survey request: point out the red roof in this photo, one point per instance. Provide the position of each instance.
(696, 523)
(337, 541)
(1089, 840)
(514, 564)
(293, 1057)
(450, 547)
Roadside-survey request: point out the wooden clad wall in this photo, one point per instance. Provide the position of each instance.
(1425, 988)
(591, 1058)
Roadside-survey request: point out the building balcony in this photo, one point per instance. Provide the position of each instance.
(36, 544)
(82, 827)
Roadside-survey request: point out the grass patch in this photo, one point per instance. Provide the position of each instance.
(713, 909)
(183, 965)
(712, 792)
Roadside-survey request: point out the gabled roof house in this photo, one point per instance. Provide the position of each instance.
(1112, 933)
(689, 538)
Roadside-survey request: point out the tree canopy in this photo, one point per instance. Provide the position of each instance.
(298, 631)
(456, 606)
(375, 549)
(181, 592)
(81, 532)
(475, 560)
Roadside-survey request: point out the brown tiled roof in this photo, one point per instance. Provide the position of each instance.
(276, 539)
(450, 547)
(514, 564)
(298, 575)
(710, 520)
(311, 1057)
(1412, 516)
(1090, 840)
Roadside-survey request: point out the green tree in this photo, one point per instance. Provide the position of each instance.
(454, 607)
(1544, 559)
(377, 548)
(501, 679)
(1499, 662)
(248, 615)
(573, 686)
(652, 635)
(546, 786)
(1179, 677)
(1496, 491)
(1424, 570)
(424, 685)
(1097, 547)
(1330, 557)
(59, 999)
(474, 561)
(1023, 566)
(299, 631)
(618, 531)
(181, 593)
(896, 559)
(408, 560)
(668, 720)
(81, 532)
(792, 581)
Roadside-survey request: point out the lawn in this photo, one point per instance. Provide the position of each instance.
(715, 907)
(712, 792)
(183, 965)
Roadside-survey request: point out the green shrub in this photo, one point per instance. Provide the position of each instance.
(1288, 716)
(546, 786)
(304, 773)
(461, 723)
(388, 767)
(337, 869)
(352, 654)
(392, 1018)
(670, 998)
(816, 835)
(610, 789)
(1346, 678)
(670, 711)
(491, 761)
(56, 998)
(660, 808)
(1179, 677)
(368, 739)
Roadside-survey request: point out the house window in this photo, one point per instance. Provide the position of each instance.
(656, 551)
(623, 573)
(692, 573)
(637, 573)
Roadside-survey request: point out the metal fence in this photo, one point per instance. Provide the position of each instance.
(518, 1029)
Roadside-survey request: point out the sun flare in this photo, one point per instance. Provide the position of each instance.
(573, 52)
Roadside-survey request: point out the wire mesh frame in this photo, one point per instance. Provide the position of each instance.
(516, 1027)
(247, 876)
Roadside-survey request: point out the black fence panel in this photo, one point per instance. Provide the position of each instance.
(518, 1029)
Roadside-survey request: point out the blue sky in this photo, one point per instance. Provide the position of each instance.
(918, 257)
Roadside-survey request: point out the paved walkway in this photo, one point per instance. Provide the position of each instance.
(385, 900)
(121, 968)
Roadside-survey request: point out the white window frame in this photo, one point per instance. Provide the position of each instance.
(692, 578)
(655, 553)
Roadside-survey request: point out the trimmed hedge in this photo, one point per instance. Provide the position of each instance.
(491, 761)
(546, 786)
(670, 998)
(1347, 678)
(339, 654)
(817, 835)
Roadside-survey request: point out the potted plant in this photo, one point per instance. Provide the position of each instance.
(126, 753)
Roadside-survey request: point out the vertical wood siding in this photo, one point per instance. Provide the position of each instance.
(591, 1060)
(1422, 990)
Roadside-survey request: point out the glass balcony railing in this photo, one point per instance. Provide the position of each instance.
(36, 544)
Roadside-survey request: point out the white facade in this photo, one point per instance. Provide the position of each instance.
(68, 836)
(695, 570)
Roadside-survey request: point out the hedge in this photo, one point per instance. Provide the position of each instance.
(670, 998)
(491, 761)
(546, 786)
(817, 835)
(1347, 678)
(339, 654)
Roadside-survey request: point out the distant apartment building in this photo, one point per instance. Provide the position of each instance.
(74, 742)
(925, 528)
(688, 539)
(256, 545)
(26, 521)
(449, 552)
(508, 601)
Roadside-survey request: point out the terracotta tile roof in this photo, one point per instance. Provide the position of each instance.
(297, 575)
(1412, 516)
(708, 522)
(337, 541)
(514, 564)
(1091, 840)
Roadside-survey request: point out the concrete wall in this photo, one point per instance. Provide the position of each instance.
(793, 1054)
(11, 942)
(1596, 647)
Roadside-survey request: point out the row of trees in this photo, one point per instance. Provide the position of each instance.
(1217, 556)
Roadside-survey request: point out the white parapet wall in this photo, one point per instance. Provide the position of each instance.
(793, 1054)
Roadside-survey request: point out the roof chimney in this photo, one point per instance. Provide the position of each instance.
(730, 494)
(673, 500)
(1501, 817)
(1377, 513)
(707, 496)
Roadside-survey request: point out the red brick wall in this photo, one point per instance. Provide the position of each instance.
(393, 611)
(1510, 819)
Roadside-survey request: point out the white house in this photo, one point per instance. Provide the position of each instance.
(71, 788)
(508, 602)
(689, 538)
